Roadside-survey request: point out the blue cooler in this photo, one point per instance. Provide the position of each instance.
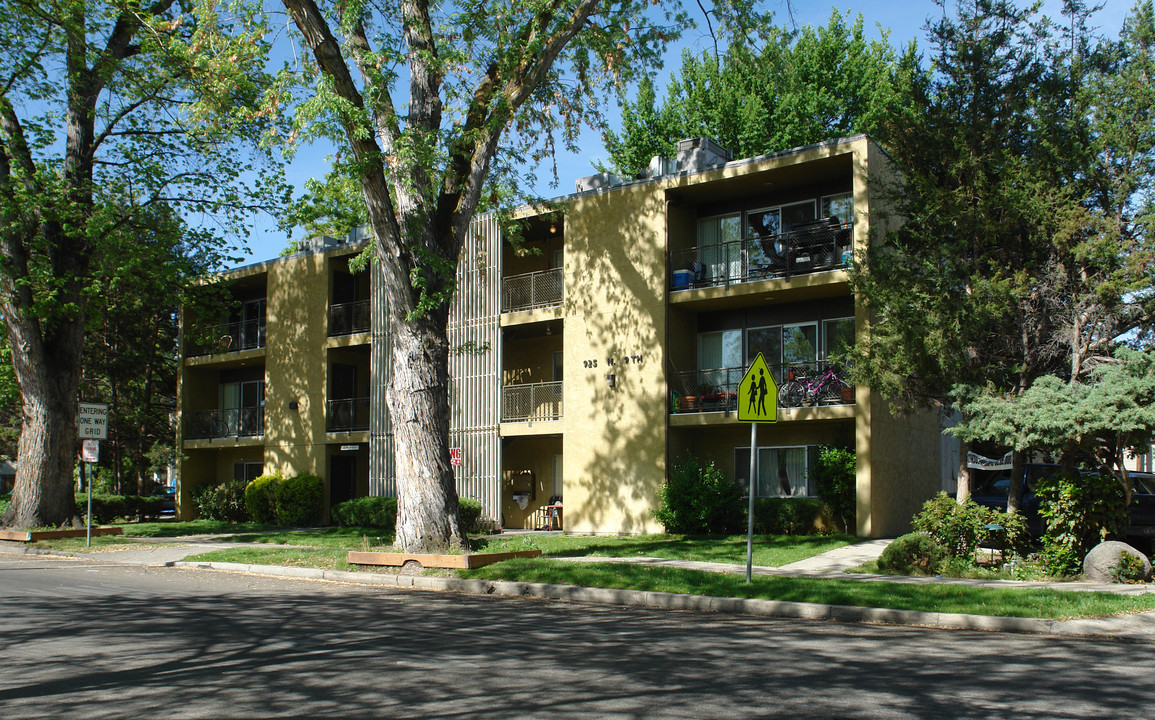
(682, 279)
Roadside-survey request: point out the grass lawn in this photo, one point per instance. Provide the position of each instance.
(1008, 602)
(769, 550)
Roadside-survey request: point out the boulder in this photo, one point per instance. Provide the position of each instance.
(1100, 563)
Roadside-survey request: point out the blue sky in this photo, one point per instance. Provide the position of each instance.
(905, 19)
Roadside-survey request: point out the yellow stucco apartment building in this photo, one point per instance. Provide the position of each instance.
(609, 345)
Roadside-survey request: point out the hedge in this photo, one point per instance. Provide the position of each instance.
(107, 507)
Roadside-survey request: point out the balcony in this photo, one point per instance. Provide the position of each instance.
(228, 337)
(532, 291)
(349, 318)
(814, 247)
(347, 415)
(805, 384)
(529, 403)
(231, 422)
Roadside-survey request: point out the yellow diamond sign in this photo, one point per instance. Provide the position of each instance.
(758, 394)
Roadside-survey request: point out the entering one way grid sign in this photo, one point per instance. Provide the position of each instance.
(92, 421)
(758, 394)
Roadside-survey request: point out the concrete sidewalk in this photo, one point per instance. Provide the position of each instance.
(830, 565)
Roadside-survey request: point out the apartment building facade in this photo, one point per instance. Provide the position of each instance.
(589, 356)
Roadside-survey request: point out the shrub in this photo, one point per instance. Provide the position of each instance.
(369, 512)
(224, 502)
(835, 481)
(1080, 511)
(786, 516)
(1129, 569)
(699, 500)
(298, 500)
(259, 498)
(912, 554)
(960, 528)
(468, 513)
(107, 507)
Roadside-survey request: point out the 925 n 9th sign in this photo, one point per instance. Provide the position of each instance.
(92, 421)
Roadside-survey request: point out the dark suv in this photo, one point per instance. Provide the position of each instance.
(991, 487)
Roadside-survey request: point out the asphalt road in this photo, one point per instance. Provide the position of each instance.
(82, 639)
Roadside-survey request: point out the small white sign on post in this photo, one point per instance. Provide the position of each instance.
(455, 457)
(90, 451)
(92, 421)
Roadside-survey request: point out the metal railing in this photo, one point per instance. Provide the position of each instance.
(532, 291)
(814, 247)
(231, 422)
(349, 318)
(802, 384)
(347, 415)
(228, 337)
(538, 401)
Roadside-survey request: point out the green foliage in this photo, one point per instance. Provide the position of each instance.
(789, 89)
(1096, 420)
(836, 482)
(259, 497)
(1081, 511)
(370, 512)
(960, 528)
(912, 554)
(1129, 569)
(297, 500)
(224, 502)
(698, 499)
(786, 516)
(469, 511)
(107, 507)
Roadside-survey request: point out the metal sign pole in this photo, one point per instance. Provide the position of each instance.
(750, 513)
(88, 517)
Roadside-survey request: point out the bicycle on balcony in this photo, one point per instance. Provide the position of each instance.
(805, 386)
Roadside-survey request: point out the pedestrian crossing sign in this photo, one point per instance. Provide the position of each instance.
(758, 394)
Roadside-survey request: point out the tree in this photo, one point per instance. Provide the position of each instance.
(772, 89)
(1097, 421)
(1011, 254)
(479, 78)
(96, 120)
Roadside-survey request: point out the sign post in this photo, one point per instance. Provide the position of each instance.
(92, 427)
(757, 403)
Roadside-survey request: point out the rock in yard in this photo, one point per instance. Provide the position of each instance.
(1100, 563)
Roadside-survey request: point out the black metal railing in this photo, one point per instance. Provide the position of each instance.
(532, 291)
(813, 247)
(537, 401)
(231, 422)
(228, 337)
(802, 384)
(347, 415)
(349, 318)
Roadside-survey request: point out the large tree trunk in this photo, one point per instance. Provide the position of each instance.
(427, 519)
(43, 495)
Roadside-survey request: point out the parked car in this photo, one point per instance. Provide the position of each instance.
(168, 507)
(990, 488)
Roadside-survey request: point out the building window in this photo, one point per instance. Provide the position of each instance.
(781, 471)
(840, 206)
(249, 471)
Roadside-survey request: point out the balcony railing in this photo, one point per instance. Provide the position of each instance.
(814, 247)
(228, 337)
(347, 415)
(232, 422)
(806, 384)
(349, 318)
(525, 403)
(532, 291)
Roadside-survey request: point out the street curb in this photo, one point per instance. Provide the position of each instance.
(695, 603)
